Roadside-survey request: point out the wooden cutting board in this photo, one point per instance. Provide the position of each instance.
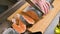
(42, 24)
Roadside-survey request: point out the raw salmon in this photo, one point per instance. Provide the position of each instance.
(25, 22)
(21, 27)
(28, 19)
(32, 14)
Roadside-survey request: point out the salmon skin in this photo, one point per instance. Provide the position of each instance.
(25, 22)
(28, 19)
(37, 12)
(21, 27)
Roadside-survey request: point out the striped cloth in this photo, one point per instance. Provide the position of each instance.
(43, 5)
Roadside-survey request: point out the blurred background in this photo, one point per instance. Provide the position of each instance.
(5, 4)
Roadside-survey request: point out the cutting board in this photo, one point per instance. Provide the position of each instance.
(43, 23)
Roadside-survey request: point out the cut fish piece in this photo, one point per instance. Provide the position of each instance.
(32, 14)
(28, 19)
(39, 14)
(25, 22)
(21, 27)
(30, 8)
(18, 28)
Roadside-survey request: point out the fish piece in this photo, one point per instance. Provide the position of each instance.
(30, 8)
(21, 27)
(38, 13)
(25, 22)
(32, 14)
(28, 19)
(17, 28)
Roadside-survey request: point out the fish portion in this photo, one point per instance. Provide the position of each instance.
(28, 19)
(18, 25)
(32, 14)
(25, 22)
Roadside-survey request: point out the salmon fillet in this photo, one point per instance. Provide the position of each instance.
(28, 19)
(32, 14)
(20, 27)
(25, 22)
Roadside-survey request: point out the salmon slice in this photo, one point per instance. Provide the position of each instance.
(25, 22)
(28, 19)
(21, 27)
(17, 28)
(32, 14)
